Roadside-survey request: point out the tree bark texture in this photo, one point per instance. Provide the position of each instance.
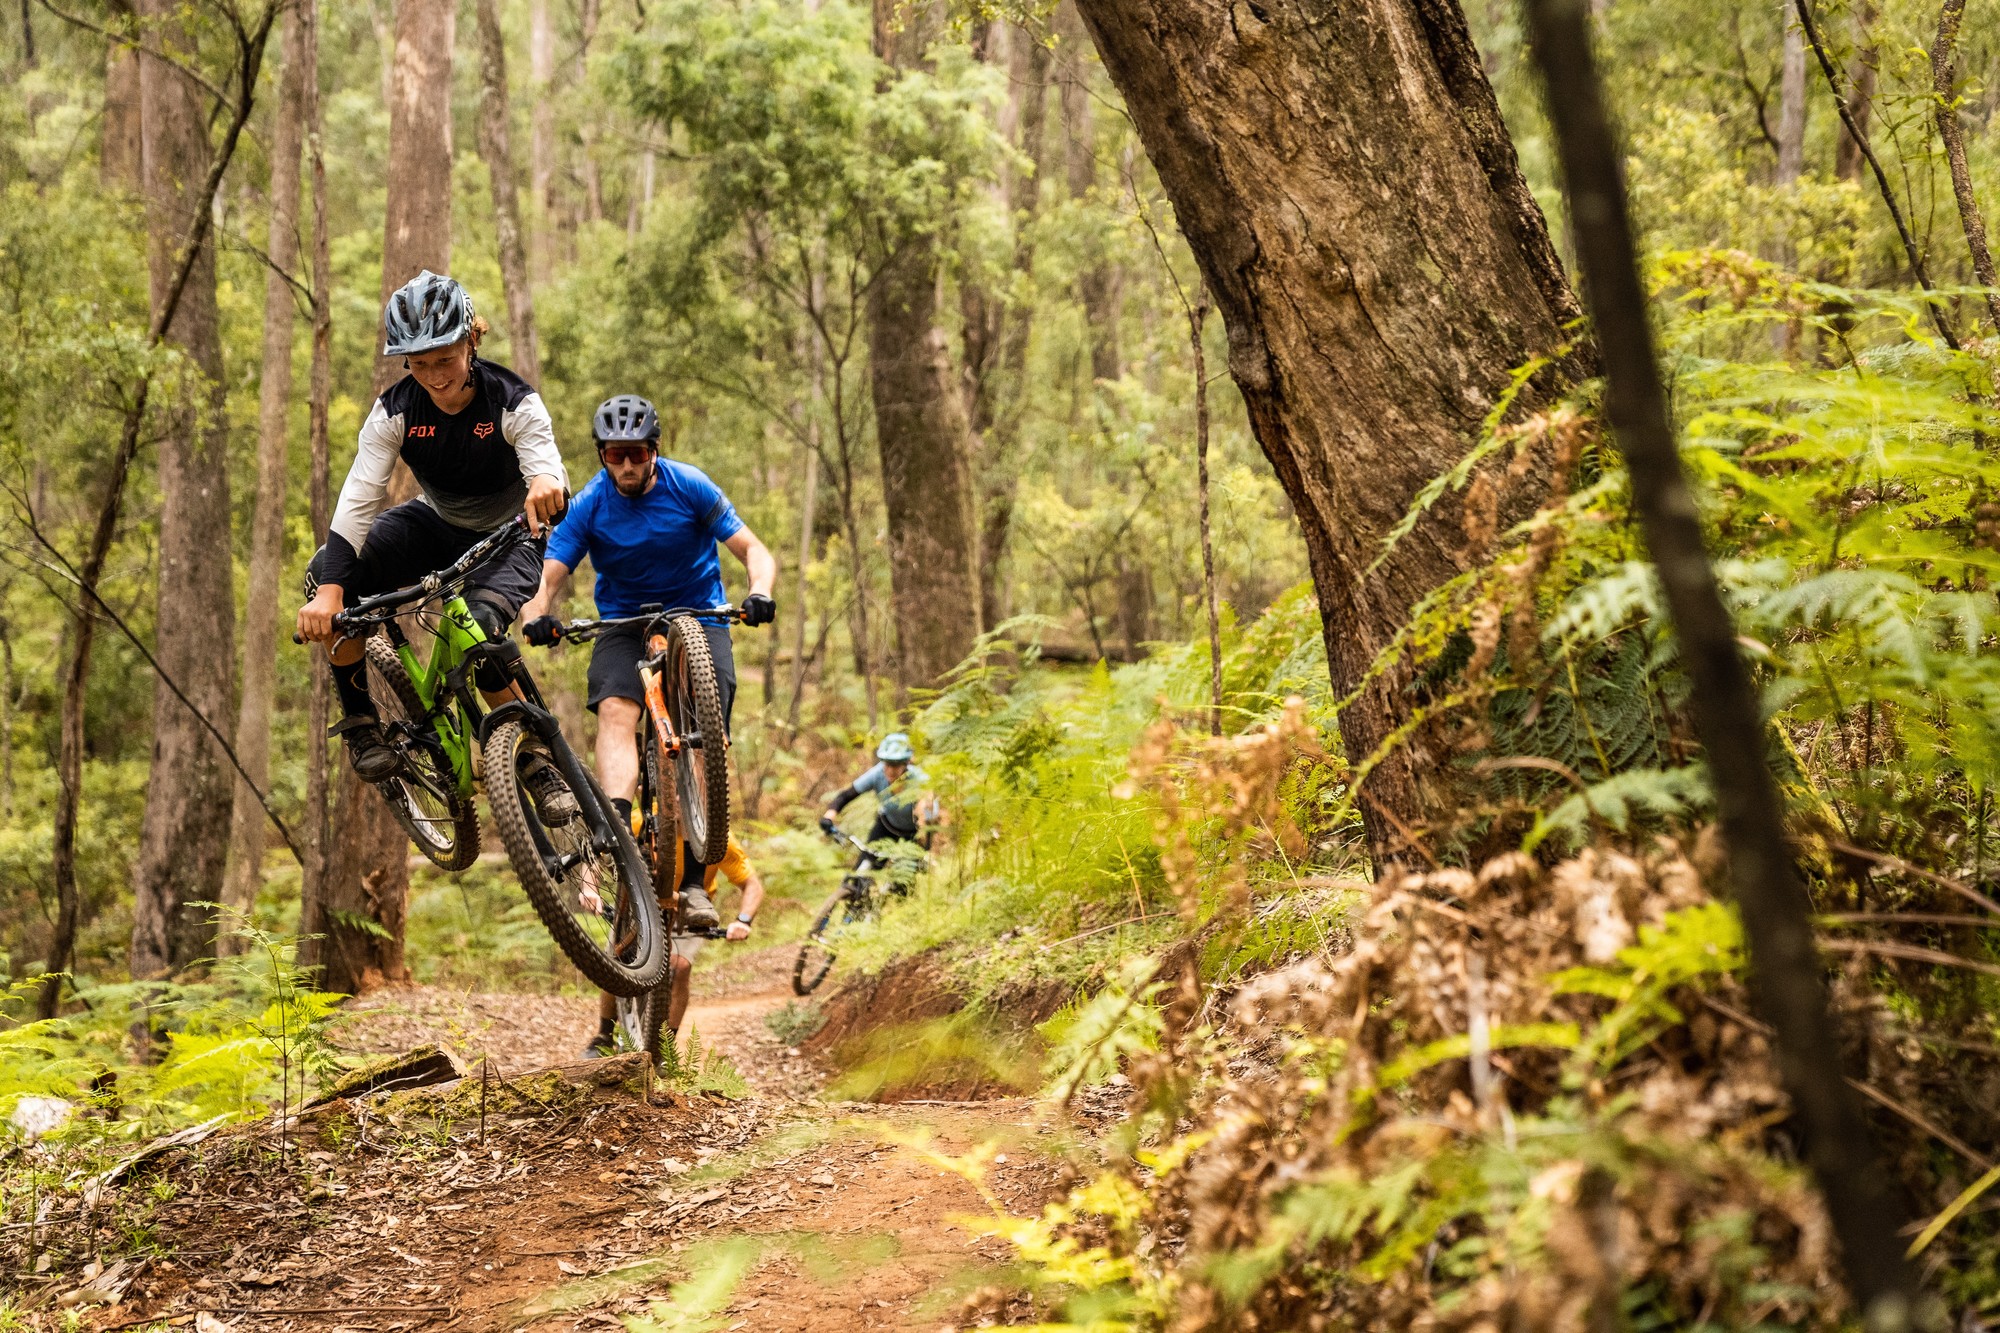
(495, 146)
(1944, 58)
(267, 521)
(368, 876)
(1787, 979)
(184, 832)
(921, 428)
(1343, 176)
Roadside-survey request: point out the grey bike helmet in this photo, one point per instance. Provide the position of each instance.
(625, 419)
(895, 748)
(427, 312)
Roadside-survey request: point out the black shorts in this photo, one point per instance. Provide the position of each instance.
(410, 540)
(614, 666)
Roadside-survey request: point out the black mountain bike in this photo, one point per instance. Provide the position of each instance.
(585, 875)
(853, 902)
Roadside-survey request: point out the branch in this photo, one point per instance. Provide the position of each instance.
(90, 590)
(134, 44)
(1916, 258)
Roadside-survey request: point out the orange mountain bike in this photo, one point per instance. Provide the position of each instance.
(683, 769)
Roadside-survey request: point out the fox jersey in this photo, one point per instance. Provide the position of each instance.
(472, 465)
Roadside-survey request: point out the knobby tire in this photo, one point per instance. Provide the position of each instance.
(816, 958)
(694, 704)
(447, 833)
(643, 960)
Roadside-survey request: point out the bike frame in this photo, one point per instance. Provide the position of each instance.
(453, 644)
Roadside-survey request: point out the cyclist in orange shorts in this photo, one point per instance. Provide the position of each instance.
(736, 868)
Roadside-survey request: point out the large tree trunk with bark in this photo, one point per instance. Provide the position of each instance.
(267, 522)
(495, 146)
(920, 426)
(368, 876)
(1344, 178)
(184, 832)
(542, 131)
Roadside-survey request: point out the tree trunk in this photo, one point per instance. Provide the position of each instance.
(921, 427)
(1097, 287)
(542, 129)
(1786, 975)
(1346, 183)
(368, 875)
(313, 918)
(1952, 134)
(267, 523)
(496, 148)
(184, 832)
(1029, 65)
(118, 158)
(1847, 158)
(1791, 100)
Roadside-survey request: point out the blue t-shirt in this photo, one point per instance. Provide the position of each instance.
(656, 547)
(898, 799)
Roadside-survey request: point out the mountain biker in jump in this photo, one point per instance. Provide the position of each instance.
(481, 444)
(905, 811)
(736, 868)
(650, 526)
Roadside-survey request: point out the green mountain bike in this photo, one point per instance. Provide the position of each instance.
(585, 875)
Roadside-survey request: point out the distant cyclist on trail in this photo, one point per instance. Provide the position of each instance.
(482, 447)
(650, 526)
(905, 809)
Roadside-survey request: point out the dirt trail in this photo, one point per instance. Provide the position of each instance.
(778, 1211)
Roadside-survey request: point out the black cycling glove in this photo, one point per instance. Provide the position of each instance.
(542, 631)
(759, 609)
(826, 824)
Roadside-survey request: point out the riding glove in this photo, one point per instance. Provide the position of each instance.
(826, 824)
(542, 631)
(759, 609)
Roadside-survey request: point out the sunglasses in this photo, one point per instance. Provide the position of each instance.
(619, 454)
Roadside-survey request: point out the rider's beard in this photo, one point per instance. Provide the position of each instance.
(630, 489)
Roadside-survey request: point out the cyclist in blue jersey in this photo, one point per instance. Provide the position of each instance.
(650, 526)
(905, 810)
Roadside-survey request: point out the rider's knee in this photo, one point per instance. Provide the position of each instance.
(682, 966)
(493, 620)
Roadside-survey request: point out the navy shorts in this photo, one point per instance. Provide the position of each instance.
(615, 657)
(410, 540)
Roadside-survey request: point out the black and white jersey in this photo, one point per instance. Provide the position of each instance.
(473, 465)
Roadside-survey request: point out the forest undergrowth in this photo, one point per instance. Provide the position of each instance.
(1515, 1082)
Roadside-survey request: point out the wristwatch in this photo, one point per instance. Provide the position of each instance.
(745, 920)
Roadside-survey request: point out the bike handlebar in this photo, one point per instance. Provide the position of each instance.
(583, 631)
(365, 613)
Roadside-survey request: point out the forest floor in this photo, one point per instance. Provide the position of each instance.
(525, 1200)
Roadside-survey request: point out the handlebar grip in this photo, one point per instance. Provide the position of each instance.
(298, 637)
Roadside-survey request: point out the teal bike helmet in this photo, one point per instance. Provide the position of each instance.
(895, 748)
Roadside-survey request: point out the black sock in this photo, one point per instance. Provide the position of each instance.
(605, 1026)
(691, 867)
(351, 681)
(624, 809)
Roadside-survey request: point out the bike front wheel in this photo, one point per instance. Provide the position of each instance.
(701, 771)
(424, 797)
(847, 905)
(585, 875)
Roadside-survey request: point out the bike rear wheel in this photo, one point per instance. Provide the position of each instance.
(622, 946)
(424, 798)
(848, 904)
(694, 706)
